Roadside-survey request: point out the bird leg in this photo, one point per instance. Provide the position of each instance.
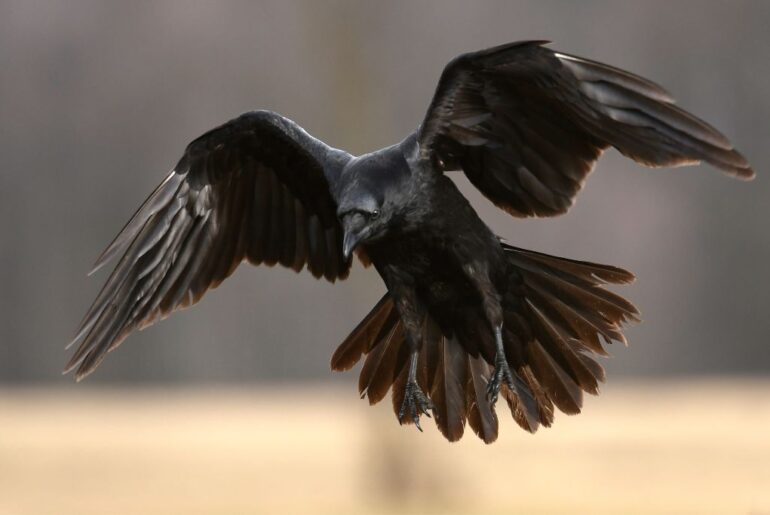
(401, 286)
(415, 403)
(502, 370)
(478, 273)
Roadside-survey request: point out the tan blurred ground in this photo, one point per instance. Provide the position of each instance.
(669, 447)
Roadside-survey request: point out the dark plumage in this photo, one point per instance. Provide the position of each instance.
(466, 318)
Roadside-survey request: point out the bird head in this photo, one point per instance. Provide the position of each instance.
(362, 221)
(370, 196)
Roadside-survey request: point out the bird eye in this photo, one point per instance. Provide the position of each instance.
(375, 213)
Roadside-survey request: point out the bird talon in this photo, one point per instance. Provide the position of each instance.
(492, 391)
(417, 421)
(416, 403)
(501, 374)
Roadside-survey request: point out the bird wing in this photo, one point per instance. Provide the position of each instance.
(257, 188)
(526, 125)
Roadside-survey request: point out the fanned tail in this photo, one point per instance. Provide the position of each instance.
(557, 316)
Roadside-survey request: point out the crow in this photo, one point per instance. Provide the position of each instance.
(467, 318)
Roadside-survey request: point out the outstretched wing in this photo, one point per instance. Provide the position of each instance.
(526, 125)
(257, 188)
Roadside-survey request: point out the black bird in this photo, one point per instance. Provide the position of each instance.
(466, 318)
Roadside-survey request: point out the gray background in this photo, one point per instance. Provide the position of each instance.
(98, 100)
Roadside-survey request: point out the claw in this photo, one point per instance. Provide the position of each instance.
(416, 402)
(493, 389)
(502, 371)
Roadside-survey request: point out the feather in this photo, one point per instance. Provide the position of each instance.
(274, 238)
(524, 405)
(333, 258)
(533, 391)
(610, 95)
(560, 351)
(585, 326)
(350, 350)
(561, 388)
(260, 213)
(380, 367)
(481, 416)
(585, 269)
(116, 280)
(300, 251)
(448, 389)
(593, 71)
(159, 199)
(289, 231)
(316, 247)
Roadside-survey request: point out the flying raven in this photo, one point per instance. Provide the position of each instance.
(466, 318)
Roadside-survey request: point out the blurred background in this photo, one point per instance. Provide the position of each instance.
(230, 407)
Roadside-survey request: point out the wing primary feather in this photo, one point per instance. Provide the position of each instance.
(615, 96)
(113, 321)
(593, 71)
(154, 203)
(187, 263)
(114, 282)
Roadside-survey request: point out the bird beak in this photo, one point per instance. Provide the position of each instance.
(349, 243)
(355, 231)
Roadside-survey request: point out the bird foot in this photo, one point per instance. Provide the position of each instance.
(502, 373)
(415, 403)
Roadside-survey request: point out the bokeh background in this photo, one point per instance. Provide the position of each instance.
(230, 407)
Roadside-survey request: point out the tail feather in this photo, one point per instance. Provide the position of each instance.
(364, 336)
(525, 408)
(544, 403)
(585, 333)
(528, 409)
(382, 366)
(448, 388)
(576, 268)
(559, 386)
(554, 342)
(555, 319)
(596, 369)
(587, 294)
(481, 416)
